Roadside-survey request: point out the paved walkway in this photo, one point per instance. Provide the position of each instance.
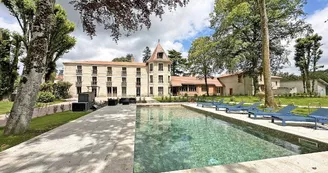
(102, 141)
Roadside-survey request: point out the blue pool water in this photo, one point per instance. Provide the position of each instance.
(175, 138)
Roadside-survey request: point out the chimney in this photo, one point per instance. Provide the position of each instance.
(132, 59)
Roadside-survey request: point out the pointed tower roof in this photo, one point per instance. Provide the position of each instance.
(155, 56)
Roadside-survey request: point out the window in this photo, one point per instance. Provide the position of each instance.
(123, 91)
(169, 79)
(160, 55)
(94, 81)
(192, 88)
(138, 81)
(94, 69)
(239, 78)
(138, 72)
(79, 67)
(151, 92)
(204, 88)
(109, 71)
(123, 71)
(169, 67)
(109, 79)
(78, 90)
(160, 67)
(79, 79)
(160, 79)
(109, 68)
(109, 90)
(184, 88)
(151, 67)
(160, 91)
(276, 83)
(151, 80)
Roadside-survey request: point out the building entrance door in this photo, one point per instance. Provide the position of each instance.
(94, 90)
(231, 91)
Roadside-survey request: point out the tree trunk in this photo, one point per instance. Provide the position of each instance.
(303, 79)
(255, 84)
(206, 85)
(22, 110)
(307, 82)
(269, 100)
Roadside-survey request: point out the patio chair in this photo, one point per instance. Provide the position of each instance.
(285, 110)
(320, 116)
(226, 106)
(213, 103)
(243, 108)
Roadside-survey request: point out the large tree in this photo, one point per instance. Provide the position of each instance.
(238, 31)
(60, 41)
(10, 51)
(146, 54)
(307, 55)
(203, 59)
(179, 64)
(117, 16)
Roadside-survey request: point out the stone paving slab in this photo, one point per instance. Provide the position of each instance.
(102, 141)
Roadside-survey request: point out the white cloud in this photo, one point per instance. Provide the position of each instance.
(176, 26)
(317, 20)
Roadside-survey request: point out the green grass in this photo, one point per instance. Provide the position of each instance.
(5, 106)
(38, 126)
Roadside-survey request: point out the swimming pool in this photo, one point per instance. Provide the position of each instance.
(175, 138)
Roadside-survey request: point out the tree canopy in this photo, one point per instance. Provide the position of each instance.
(203, 60)
(237, 26)
(179, 64)
(146, 54)
(127, 58)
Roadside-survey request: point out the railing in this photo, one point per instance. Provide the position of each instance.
(94, 72)
(124, 84)
(78, 72)
(138, 74)
(123, 73)
(109, 83)
(78, 83)
(94, 83)
(109, 73)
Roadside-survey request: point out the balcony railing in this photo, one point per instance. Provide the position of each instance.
(94, 72)
(109, 73)
(138, 74)
(78, 83)
(94, 83)
(78, 72)
(124, 84)
(109, 83)
(123, 73)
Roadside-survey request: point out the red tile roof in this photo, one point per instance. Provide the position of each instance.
(184, 80)
(106, 63)
(157, 50)
(237, 73)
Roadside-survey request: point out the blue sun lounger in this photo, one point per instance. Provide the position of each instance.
(212, 103)
(243, 108)
(226, 106)
(292, 117)
(283, 111)
(320, 116)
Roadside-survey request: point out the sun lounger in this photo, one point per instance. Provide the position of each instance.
(320, 116)
(291, 117)
(226, 106)
(243, 108)
(283, 111)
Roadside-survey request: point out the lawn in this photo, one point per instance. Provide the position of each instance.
(38, 126)
(5, 106)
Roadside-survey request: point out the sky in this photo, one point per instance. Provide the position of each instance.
(176, 31)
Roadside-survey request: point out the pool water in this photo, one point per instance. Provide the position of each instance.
(175, 138)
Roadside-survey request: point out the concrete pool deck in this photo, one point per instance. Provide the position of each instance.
(102, 141)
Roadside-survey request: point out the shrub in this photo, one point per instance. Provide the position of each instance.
(260, 95)
(45, 97)
(232, 99)
(186, 95)
(47, 87)
(196, 95)
(61, 90)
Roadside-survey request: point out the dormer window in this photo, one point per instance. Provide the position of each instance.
(160, 55)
